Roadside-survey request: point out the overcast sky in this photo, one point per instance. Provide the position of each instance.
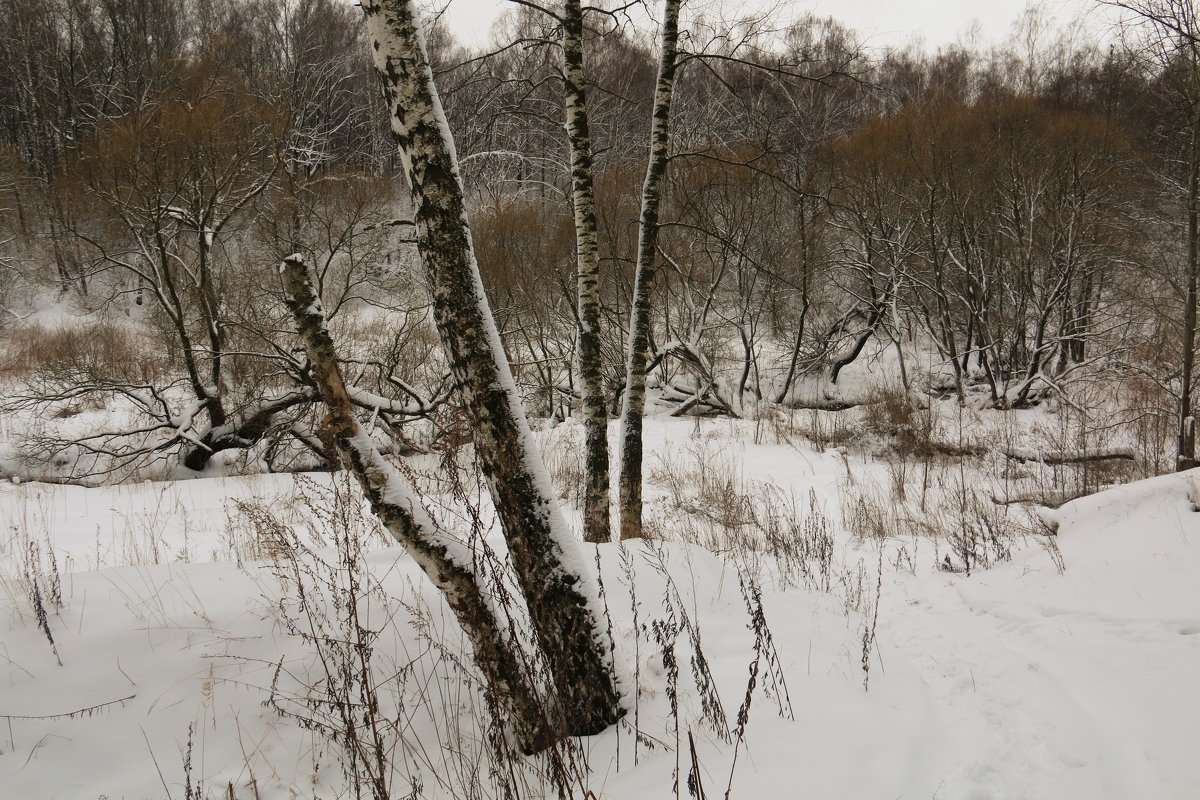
(882, 22)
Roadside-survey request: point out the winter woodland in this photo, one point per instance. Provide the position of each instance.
(664, 399)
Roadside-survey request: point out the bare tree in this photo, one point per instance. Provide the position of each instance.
(1174, 27)
(446, 561)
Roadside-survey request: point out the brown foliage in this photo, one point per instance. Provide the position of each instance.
(96, 348)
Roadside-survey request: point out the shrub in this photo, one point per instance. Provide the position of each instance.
(99, 348)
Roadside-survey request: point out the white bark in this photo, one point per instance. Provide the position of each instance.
(563, 605)
(591, 389)
(634, 404)
(446, 561)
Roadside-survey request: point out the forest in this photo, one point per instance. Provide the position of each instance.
(645, 286)
(1010, 224)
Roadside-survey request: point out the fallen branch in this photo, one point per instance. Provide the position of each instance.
(1044, 499)
(1057, 458)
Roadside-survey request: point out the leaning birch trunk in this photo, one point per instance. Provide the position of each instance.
(563, 607)
(634, 404)
(591, 390)
(445, 561)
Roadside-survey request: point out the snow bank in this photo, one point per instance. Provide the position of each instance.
(1019, 681)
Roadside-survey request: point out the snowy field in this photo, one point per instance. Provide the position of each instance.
(172, 634)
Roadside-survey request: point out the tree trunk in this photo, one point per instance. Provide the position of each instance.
(445, 561)
(874, 318)
(246, 429)
(639, 322)
(1186, 458)
(806, 266)
(563, 608)
(591, 390)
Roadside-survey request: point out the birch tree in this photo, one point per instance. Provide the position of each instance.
(570, 23)
(634, 404)
(563, 609)
(591, 388)
(444, 560)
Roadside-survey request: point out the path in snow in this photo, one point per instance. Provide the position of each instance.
(1080, 685)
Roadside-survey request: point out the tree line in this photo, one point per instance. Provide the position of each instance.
(1017, 210)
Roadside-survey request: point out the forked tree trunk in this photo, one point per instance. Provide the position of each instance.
(244, 429)
(445, 561)
(563, 608)
(805, 303)
(591, 389)
(643, 286)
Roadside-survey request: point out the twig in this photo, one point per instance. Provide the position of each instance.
(89, 710)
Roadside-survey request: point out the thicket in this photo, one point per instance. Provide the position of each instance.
(998, 226)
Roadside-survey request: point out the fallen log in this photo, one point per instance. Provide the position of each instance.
(1059, 457)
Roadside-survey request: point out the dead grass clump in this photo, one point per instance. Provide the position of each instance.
(968, 528)
(895, 416)
(827, 428)
(562, 452)
(869, 514)
(705, 482)
(99, 348)
(763, 530)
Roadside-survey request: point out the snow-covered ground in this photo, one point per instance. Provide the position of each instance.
(1069, 671)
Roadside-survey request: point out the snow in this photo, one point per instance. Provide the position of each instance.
(1019, 681)
(1074, 684)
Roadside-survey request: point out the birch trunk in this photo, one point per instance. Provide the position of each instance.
(563, 607)
(444, 560)
(591, 390)
(639, 324)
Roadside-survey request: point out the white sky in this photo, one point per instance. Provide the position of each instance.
(882, 22)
